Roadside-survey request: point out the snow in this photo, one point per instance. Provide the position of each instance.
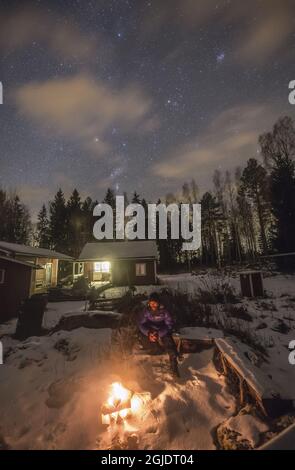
(275, 285)
(8, 328)
(248, 427)
(117, 292)
(41, 379)
(278, 305)
(185, 412)
(200, 333)
(119, 250)
(284, 441)
(32, 251)
(235, 355)
(53, 388)
(56, 310)
(52, 315)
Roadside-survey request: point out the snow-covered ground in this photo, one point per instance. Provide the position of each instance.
(275, 285)
(267, 315)
(56, 310)
(182, 413)
(53, 313)
(52, 387)
(115, 292)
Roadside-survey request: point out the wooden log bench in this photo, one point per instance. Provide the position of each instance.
(190, 340)
(283, 441)
(252, 381)
(196, 339)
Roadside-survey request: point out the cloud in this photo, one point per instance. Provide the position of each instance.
(270, 29)
(85, 109)
(229, 141)
(258, 29)
(20, 27)
(34, 196)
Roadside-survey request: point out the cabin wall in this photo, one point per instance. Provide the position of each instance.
(14, 289)
(54, 272)
(124, 272)
(39, 276)
(88, 270)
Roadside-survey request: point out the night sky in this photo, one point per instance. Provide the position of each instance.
(136, 94)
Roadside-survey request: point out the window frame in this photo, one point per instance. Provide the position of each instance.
(138, 270)
(105, 267)
(79, 264)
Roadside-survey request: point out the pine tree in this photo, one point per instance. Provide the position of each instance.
(255, 185)
(3, 215)
(212, 223)
(246, 224)
(194, 191)
(235, 248)
(283, 204)
(135, 198)
(186, 193)
(278, 150)
(75, 224)
(42, 236)
(110, 198)
(58, 226)
(88, 219)
(18, 224)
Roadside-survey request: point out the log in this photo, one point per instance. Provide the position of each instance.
(252, 380)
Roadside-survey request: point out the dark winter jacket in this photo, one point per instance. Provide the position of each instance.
(160, 321)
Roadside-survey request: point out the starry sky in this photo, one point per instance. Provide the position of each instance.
(137, 94)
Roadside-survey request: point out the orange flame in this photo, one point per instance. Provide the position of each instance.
(122, 404)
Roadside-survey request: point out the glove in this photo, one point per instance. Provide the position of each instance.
(153, 336)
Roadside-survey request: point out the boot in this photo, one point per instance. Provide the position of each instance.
(174, 366)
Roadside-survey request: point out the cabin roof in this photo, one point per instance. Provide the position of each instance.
(24, 250)
(119, 250)
(23, 263)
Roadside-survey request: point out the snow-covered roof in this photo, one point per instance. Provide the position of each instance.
(24, 250)
(119, 250)
(23, 263)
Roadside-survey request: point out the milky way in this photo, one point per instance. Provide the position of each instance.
(137, 95)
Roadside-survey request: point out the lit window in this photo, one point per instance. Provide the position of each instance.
(2, 273)
(140, 269)
(78, 269)
(102, 266)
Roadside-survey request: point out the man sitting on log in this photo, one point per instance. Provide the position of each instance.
(155, 323)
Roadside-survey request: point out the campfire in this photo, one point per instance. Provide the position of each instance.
(123, 404)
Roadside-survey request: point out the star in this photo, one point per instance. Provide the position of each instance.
(220, 57)
(134, 111)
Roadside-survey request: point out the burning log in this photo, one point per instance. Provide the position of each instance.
(123, 404)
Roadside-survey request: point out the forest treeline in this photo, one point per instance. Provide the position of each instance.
(247, 213)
